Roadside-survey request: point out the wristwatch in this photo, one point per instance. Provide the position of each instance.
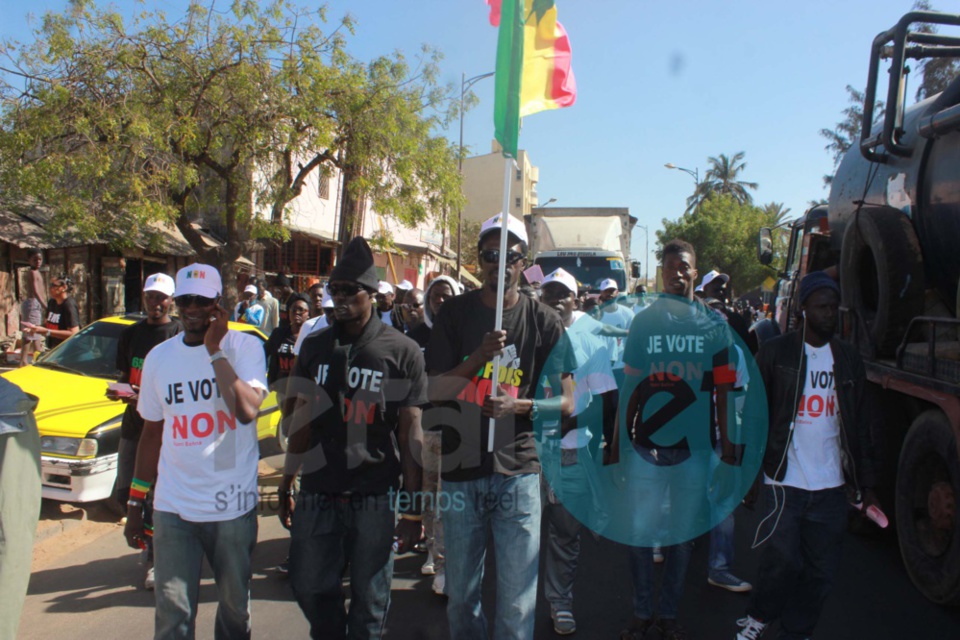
(534, 411)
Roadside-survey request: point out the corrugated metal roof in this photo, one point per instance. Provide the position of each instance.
(24, 233)
(24, 226)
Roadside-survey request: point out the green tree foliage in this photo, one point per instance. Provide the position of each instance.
(847, 131)
(724, 235)
(117, 123)
(722, 177)
(937, 73)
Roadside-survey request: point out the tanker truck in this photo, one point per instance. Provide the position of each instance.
(592, 243)
(891, 235)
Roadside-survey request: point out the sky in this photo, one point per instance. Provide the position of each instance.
(658, 82)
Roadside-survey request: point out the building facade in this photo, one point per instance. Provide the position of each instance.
(483, 185)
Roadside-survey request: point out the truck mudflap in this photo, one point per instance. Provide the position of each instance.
(72, 480)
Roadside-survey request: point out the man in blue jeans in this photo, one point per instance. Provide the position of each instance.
(819, 450)
(678, 359)
(200, 392)
(493, 488)
(360, 386)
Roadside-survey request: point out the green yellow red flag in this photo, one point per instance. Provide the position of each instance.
(533, 71)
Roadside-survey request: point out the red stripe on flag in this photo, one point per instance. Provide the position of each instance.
(564, 86)
(495, 12)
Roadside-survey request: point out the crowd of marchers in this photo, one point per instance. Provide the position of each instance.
(411, 420)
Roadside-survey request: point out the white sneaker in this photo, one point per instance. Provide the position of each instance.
(149, 582)
(428, 568)
(750, 628)
(440, 584)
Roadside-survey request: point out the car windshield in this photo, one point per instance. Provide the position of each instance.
(91, 352)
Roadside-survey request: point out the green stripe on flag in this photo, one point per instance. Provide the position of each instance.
(509, 71)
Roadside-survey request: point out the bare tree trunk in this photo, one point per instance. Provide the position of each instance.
(350, 209)
(232, 251)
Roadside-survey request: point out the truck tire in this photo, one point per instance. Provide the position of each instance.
(881, 274)
(928, 480)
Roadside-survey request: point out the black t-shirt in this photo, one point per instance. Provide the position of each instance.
(533, 330)
(62, 316)
(279, 352)
(360, 394)
(677, 352)
(136, 341)
(421, 335)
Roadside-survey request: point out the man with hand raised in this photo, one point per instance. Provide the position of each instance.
(199, 397)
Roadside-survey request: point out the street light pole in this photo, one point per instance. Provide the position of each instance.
(465, 85)
(646, 256)
(695, 174)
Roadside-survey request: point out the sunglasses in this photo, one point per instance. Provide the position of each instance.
(54, 285)
(493, 255)
(411, 305)
(345, 289)
(201, 301)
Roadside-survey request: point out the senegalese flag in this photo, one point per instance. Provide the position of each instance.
(533, 70)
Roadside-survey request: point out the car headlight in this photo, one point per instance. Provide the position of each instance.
(60, 446)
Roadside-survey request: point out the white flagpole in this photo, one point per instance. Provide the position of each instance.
(501, 276)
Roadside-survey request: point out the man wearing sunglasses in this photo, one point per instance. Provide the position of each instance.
(411, 309)
(498, 489)
(361, 386)
(200, 394)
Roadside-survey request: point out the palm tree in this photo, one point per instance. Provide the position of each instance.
(721, 177)
(776, 213)
(723, 173)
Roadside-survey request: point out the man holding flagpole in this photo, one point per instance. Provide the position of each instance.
(494, 488)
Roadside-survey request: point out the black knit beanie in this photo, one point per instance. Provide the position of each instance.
(356, 265)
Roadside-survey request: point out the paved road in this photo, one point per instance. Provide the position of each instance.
(92, 593)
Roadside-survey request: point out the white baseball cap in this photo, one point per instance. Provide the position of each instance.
(251, 288)
(199, 280)
(515, 227)
(159, 282)
(406, 284)
(384, 287)
(609, 283)
(707, 279)
(563, 277)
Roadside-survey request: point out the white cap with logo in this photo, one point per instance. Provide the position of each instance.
(251, 288)
(199, 280)
(159, 282)
(609, 283)
(406, 284)
(515, 227)
(563, 277)
(707, 279)
(384, 287)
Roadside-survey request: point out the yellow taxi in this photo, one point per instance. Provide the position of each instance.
(80, 428)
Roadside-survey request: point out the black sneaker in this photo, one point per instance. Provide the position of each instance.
(670, 629)
(638, 629)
